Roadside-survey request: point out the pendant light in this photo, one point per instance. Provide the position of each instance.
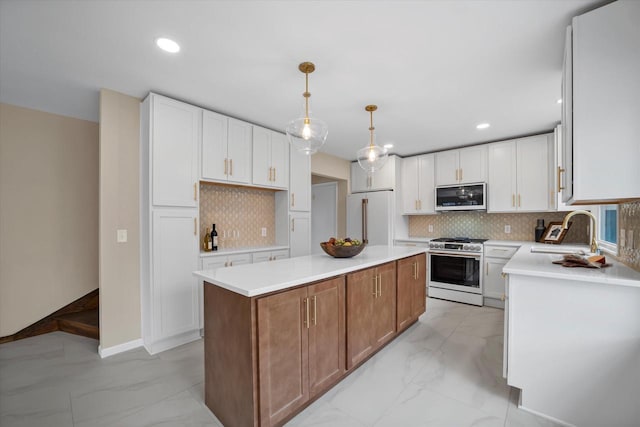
(305, 134)
(372, 157)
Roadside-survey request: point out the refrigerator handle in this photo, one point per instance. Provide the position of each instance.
(365, 206)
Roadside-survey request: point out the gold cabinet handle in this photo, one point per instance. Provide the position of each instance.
(560, 171)
(226, 161)
(519, 201)
(551, 198)
(226, 264)
(460, 174)
(293, 199)
(415, 204)
(380, 285)
(487, 269)
(270, 173)
(293, 224)
(275, 171)
(513, 200)
(195, 191)
(420, 205)
(375, 286)
(306, 312)
(315, 311)
(231, 167)
(503, 275)
(230, 263)
(503, 297)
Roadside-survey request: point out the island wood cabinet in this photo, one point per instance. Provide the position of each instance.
(371, 311)
(226, 148)
(462, 166)
(412, 289)
(302, 349)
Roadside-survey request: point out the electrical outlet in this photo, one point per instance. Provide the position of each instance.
(121, 236)
(630, 239)
(507, 229)
(623, 240)
(263, 231)
(430, 228)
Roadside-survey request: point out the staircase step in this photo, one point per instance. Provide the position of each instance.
(85, 323)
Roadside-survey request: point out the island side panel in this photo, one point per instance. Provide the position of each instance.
(229, 356)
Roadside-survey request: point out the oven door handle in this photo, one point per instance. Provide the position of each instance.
(458, 255)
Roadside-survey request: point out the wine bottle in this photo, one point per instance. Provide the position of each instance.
(214, 238)
(207, 243)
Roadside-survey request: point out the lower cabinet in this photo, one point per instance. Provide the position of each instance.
(412, 290)
(270, 256)
(495, 258)
(301, 349)
(371, 311)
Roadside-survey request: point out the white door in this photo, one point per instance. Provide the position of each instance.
(501, 185)
(447, 167)
(239, 151)
(409, 186)
(214, 146)
(533, 173)
(300, 181)
(262, 169)
(280, 160)
(324, 212)
(426, 186)
(473, 164)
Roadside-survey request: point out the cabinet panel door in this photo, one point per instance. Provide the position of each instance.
(300, 234)
(326, 334)
(533, 173)
(473, 164)
(359, 179)
(446, 167)
(501, 185)
(280, 160)
(209, 263)
(360, 294)
(174, 152)
(409, 185)
(405, 282)
(240, 259)
(239, 151)
(262, 172)
(283, 354)
(385, 178)
(214, 146)
(419, 299)
(426, 184)
(567, 118)
(300, 182)
(493, 280)
(175, 257)
(385, 304)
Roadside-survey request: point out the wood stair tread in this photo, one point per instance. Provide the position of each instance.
(85, 323)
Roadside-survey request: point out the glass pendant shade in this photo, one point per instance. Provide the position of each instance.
(307, 134)
(372, 157)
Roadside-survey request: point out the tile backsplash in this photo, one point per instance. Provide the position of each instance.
(629, 219)
(239, 215)
(482, 225)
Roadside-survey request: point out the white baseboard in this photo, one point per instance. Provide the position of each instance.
(120, 348)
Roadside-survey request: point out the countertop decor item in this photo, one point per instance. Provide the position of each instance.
(554, 233)
(342, 251)
(539, 230)
(307, 135)
(372, 157)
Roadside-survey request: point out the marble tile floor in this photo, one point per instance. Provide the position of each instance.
(443, 371)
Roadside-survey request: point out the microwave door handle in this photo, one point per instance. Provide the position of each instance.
(365, 205)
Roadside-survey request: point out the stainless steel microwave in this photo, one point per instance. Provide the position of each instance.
(462, 197)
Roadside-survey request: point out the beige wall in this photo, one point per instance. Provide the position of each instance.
(119, 209)
(328, 168)
(48, 214)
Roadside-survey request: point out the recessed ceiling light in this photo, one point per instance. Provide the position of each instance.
(483, 126)
(168, 45)
(559, 101)
(388, 146)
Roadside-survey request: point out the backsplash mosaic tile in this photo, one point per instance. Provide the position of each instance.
(482, 225)
(629, 219)
(239, 215)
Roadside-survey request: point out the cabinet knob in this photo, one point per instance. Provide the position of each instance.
(503, 297)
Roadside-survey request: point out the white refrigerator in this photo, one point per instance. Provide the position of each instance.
(370, 217)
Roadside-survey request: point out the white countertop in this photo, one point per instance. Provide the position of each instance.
(524, 262)
(261, 278)
(233, 251)
(414, 239)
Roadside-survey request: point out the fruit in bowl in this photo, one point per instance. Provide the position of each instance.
(342, 248)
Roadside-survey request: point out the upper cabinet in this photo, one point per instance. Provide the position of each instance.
(174, 129)
(299, 181)
(384, 179)
(462, 166)
(226, 149)
(417, 184)
(601, 105)
(270, 158)
(520, 174)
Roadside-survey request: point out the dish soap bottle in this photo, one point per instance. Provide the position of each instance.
(207, 243)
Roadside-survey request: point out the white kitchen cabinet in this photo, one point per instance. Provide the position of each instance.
(270, 158)
(520, 175)
(601, 108)
(299, 181)
(173, 143)
(299, 234)
(495, 257)
(270, 255)
(170, 301)
(417, 185)
(226, 149)
(384, 179)
(461, 166)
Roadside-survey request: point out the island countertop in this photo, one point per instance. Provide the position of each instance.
(526, 263)
(261, 278)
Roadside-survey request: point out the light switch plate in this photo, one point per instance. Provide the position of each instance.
(430, 228)
(507, 229)
(121, 236)
(264, 231)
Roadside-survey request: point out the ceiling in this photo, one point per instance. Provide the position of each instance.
(435, 69)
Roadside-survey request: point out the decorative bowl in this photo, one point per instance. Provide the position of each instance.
(342, 251)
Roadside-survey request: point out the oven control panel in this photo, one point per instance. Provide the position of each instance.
(467, 247)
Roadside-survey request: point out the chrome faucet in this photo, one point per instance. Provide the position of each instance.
(565, 225)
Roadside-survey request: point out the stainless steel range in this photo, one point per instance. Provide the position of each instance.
(455, 269)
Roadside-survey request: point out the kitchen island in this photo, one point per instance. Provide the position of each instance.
(572, 338)
(280, 334)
